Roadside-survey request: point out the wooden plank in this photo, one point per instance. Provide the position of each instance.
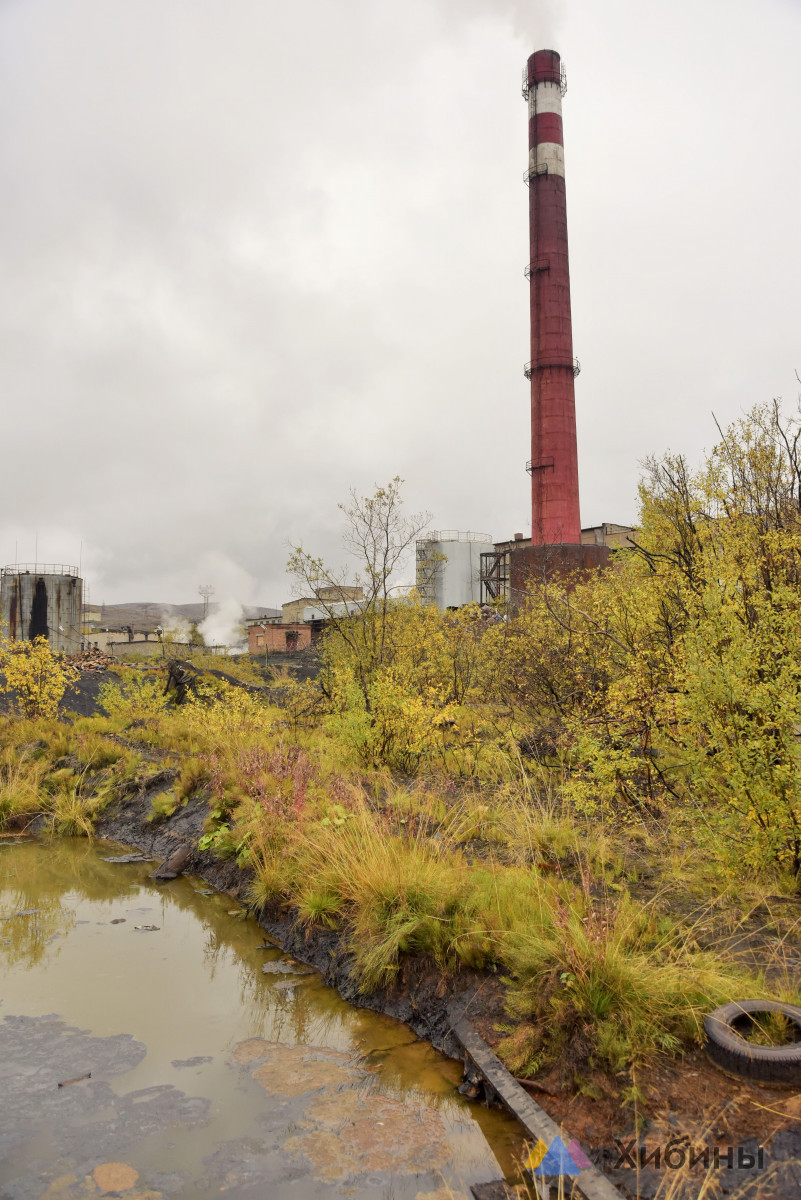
(590, 1183)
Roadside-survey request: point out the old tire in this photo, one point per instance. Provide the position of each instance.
(770, 1064)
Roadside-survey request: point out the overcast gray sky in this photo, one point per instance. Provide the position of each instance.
(255, 253)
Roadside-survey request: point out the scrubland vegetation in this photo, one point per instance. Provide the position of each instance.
(594, 795)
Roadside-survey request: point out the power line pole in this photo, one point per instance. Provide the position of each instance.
(206, 590)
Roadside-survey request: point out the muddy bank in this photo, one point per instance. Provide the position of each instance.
(425, 1000)
(693, 1099)
(196, 1062)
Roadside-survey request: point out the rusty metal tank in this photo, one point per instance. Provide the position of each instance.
(42, 600)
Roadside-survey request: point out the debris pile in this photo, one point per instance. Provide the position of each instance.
(181, 679)
(91, 660)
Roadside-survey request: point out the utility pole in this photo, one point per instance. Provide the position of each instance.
(206, 590)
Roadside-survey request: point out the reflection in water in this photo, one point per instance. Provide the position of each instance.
(70, 865)
(191, 992)
(26, 941)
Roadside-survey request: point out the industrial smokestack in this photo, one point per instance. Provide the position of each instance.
(554, 461)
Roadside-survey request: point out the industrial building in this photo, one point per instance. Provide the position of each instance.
(278, 637)
(509, 568)
(448, 564)
(455, 568)
(42, 600)
(303, 620)
(324, 598)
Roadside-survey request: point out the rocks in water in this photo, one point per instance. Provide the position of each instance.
(147, 928)
(197, 1061)
(287, 966)
(278, 968)
(117, 921)
(172, 867)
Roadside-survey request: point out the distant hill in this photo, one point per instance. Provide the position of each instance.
(146, 614)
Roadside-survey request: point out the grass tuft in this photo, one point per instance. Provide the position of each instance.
(21, 777)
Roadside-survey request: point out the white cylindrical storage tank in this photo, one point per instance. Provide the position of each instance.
(449, 567)
(42, 600)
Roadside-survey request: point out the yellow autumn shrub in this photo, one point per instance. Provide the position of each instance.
(34, 677)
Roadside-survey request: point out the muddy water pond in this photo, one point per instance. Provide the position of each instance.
(151, 1046)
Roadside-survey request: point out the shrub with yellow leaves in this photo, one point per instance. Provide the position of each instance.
(34, 677)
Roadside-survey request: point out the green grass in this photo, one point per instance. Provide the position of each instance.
(73, 814)
(603, 972)
(507, 879)
(21, 777)
(162, 806)
(769, 1029)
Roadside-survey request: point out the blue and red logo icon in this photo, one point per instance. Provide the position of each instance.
(557, 1159)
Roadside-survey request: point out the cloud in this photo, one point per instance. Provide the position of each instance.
(254, 255)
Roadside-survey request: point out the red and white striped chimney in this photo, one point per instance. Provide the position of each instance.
(554, 460)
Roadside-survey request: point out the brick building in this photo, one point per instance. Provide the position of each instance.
(272, 637)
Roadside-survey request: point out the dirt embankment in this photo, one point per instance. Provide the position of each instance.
(424, 999)
(690, 1098)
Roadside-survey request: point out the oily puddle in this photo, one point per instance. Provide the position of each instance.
(207, 1074)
